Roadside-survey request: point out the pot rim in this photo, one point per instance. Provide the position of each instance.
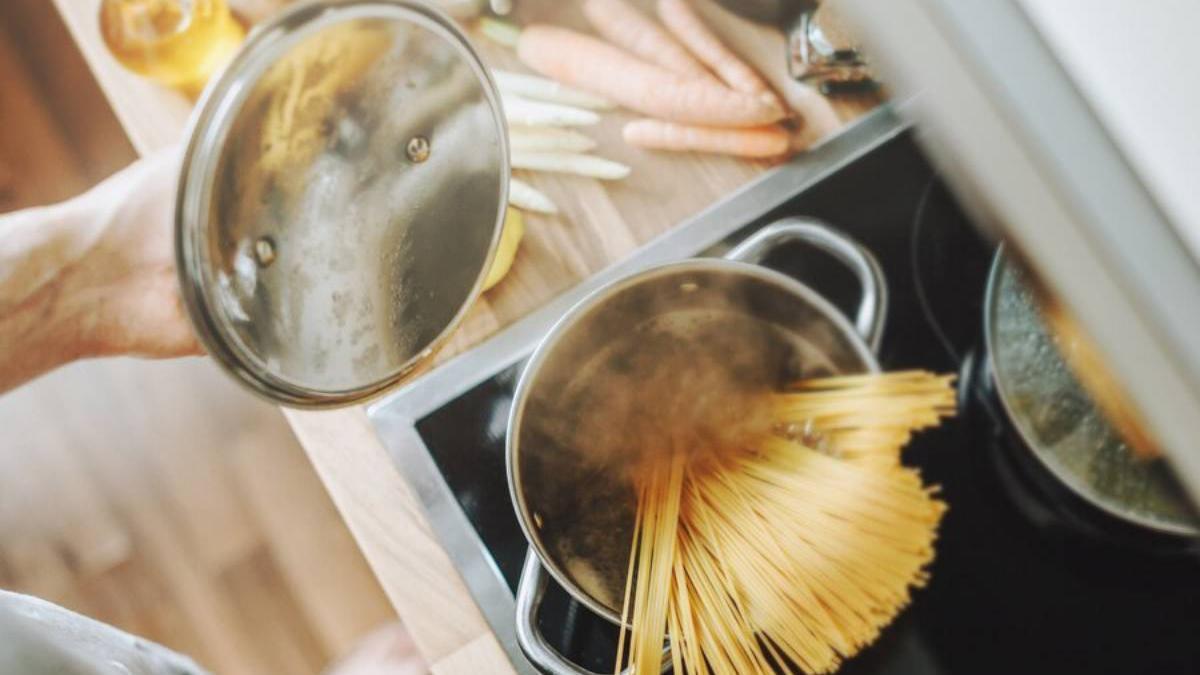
(1018, 424)
(593, 300)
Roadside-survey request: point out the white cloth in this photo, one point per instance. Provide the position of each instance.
(40, 638)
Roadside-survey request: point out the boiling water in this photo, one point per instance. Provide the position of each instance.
(691, 379)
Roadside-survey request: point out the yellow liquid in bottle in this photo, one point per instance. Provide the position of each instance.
(179, 43)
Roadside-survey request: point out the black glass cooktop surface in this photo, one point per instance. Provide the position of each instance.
(1005, 595)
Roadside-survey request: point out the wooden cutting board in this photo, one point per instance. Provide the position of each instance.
(601, 222)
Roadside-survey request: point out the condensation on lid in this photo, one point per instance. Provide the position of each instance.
(1062, 425)
(341, 199)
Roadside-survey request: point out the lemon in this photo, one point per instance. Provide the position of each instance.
(510, 240)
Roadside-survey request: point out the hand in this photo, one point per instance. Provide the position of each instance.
(126, 282)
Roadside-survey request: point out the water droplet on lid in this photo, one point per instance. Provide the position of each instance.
(417, 149)
(264, 251)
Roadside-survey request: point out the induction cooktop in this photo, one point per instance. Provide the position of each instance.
(1003, 598)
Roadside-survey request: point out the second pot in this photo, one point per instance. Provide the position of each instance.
(1062, 442)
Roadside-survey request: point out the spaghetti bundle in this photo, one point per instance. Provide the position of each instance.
(793, 548)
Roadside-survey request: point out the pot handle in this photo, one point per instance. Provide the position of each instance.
(872, 309)
(530, 591)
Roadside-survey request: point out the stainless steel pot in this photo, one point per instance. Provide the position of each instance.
(621, 361)
(1060, 432)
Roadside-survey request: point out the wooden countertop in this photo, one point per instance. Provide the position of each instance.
(600, 224)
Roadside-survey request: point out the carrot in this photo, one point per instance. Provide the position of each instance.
(757, 142)
(627, 27)
(679, 17)
(587, 63)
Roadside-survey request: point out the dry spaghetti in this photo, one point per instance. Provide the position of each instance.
(794, 548)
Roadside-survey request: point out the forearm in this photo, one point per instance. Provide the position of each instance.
(43, 317)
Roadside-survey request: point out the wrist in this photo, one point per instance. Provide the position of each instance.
(73, 302)
(47, 315)
(41, 332)
(80, 306)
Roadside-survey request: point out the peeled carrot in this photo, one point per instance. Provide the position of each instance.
(756, 142)
(587, 63)
(627, 27)
(679, 17)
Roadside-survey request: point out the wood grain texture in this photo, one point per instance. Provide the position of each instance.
(299, 532)
(480, 656)
(28, 177)
(91, 517)
(152, 117)
(92, 133)
(387, 522)
(600, 224)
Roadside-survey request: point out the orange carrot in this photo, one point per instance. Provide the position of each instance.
(587, 63)
(627, 27)
(758, 142)
(685, 24)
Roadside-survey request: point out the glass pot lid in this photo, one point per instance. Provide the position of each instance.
(341, 199)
